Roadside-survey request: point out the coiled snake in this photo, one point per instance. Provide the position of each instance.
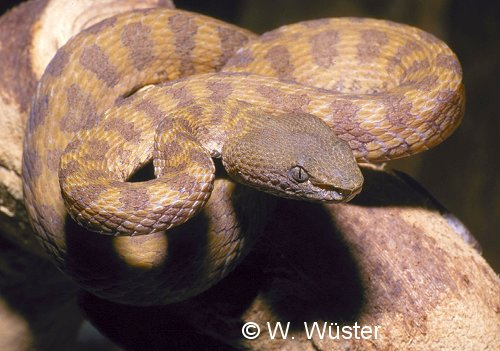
(288, 112)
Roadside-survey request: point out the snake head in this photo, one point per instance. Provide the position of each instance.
(293, 155)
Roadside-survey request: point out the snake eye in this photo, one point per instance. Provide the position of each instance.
(298, 174)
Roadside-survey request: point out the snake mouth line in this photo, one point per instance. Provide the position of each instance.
(335, 194)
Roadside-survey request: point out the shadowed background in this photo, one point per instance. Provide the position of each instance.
(462, 173)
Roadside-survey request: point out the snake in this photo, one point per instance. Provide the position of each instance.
(290, 113)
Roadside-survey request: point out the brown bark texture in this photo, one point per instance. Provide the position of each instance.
(392, 258)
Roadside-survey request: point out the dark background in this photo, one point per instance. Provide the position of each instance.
(463, 172)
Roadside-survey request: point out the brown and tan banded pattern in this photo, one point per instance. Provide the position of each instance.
(385, 90)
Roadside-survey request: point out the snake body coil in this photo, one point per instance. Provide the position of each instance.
(385, 90)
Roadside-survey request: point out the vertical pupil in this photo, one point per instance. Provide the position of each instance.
(300, 173)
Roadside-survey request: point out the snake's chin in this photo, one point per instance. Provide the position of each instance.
(319, 195)
(329, 194)
(335, 196)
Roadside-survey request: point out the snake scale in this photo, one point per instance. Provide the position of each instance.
(289, 113)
